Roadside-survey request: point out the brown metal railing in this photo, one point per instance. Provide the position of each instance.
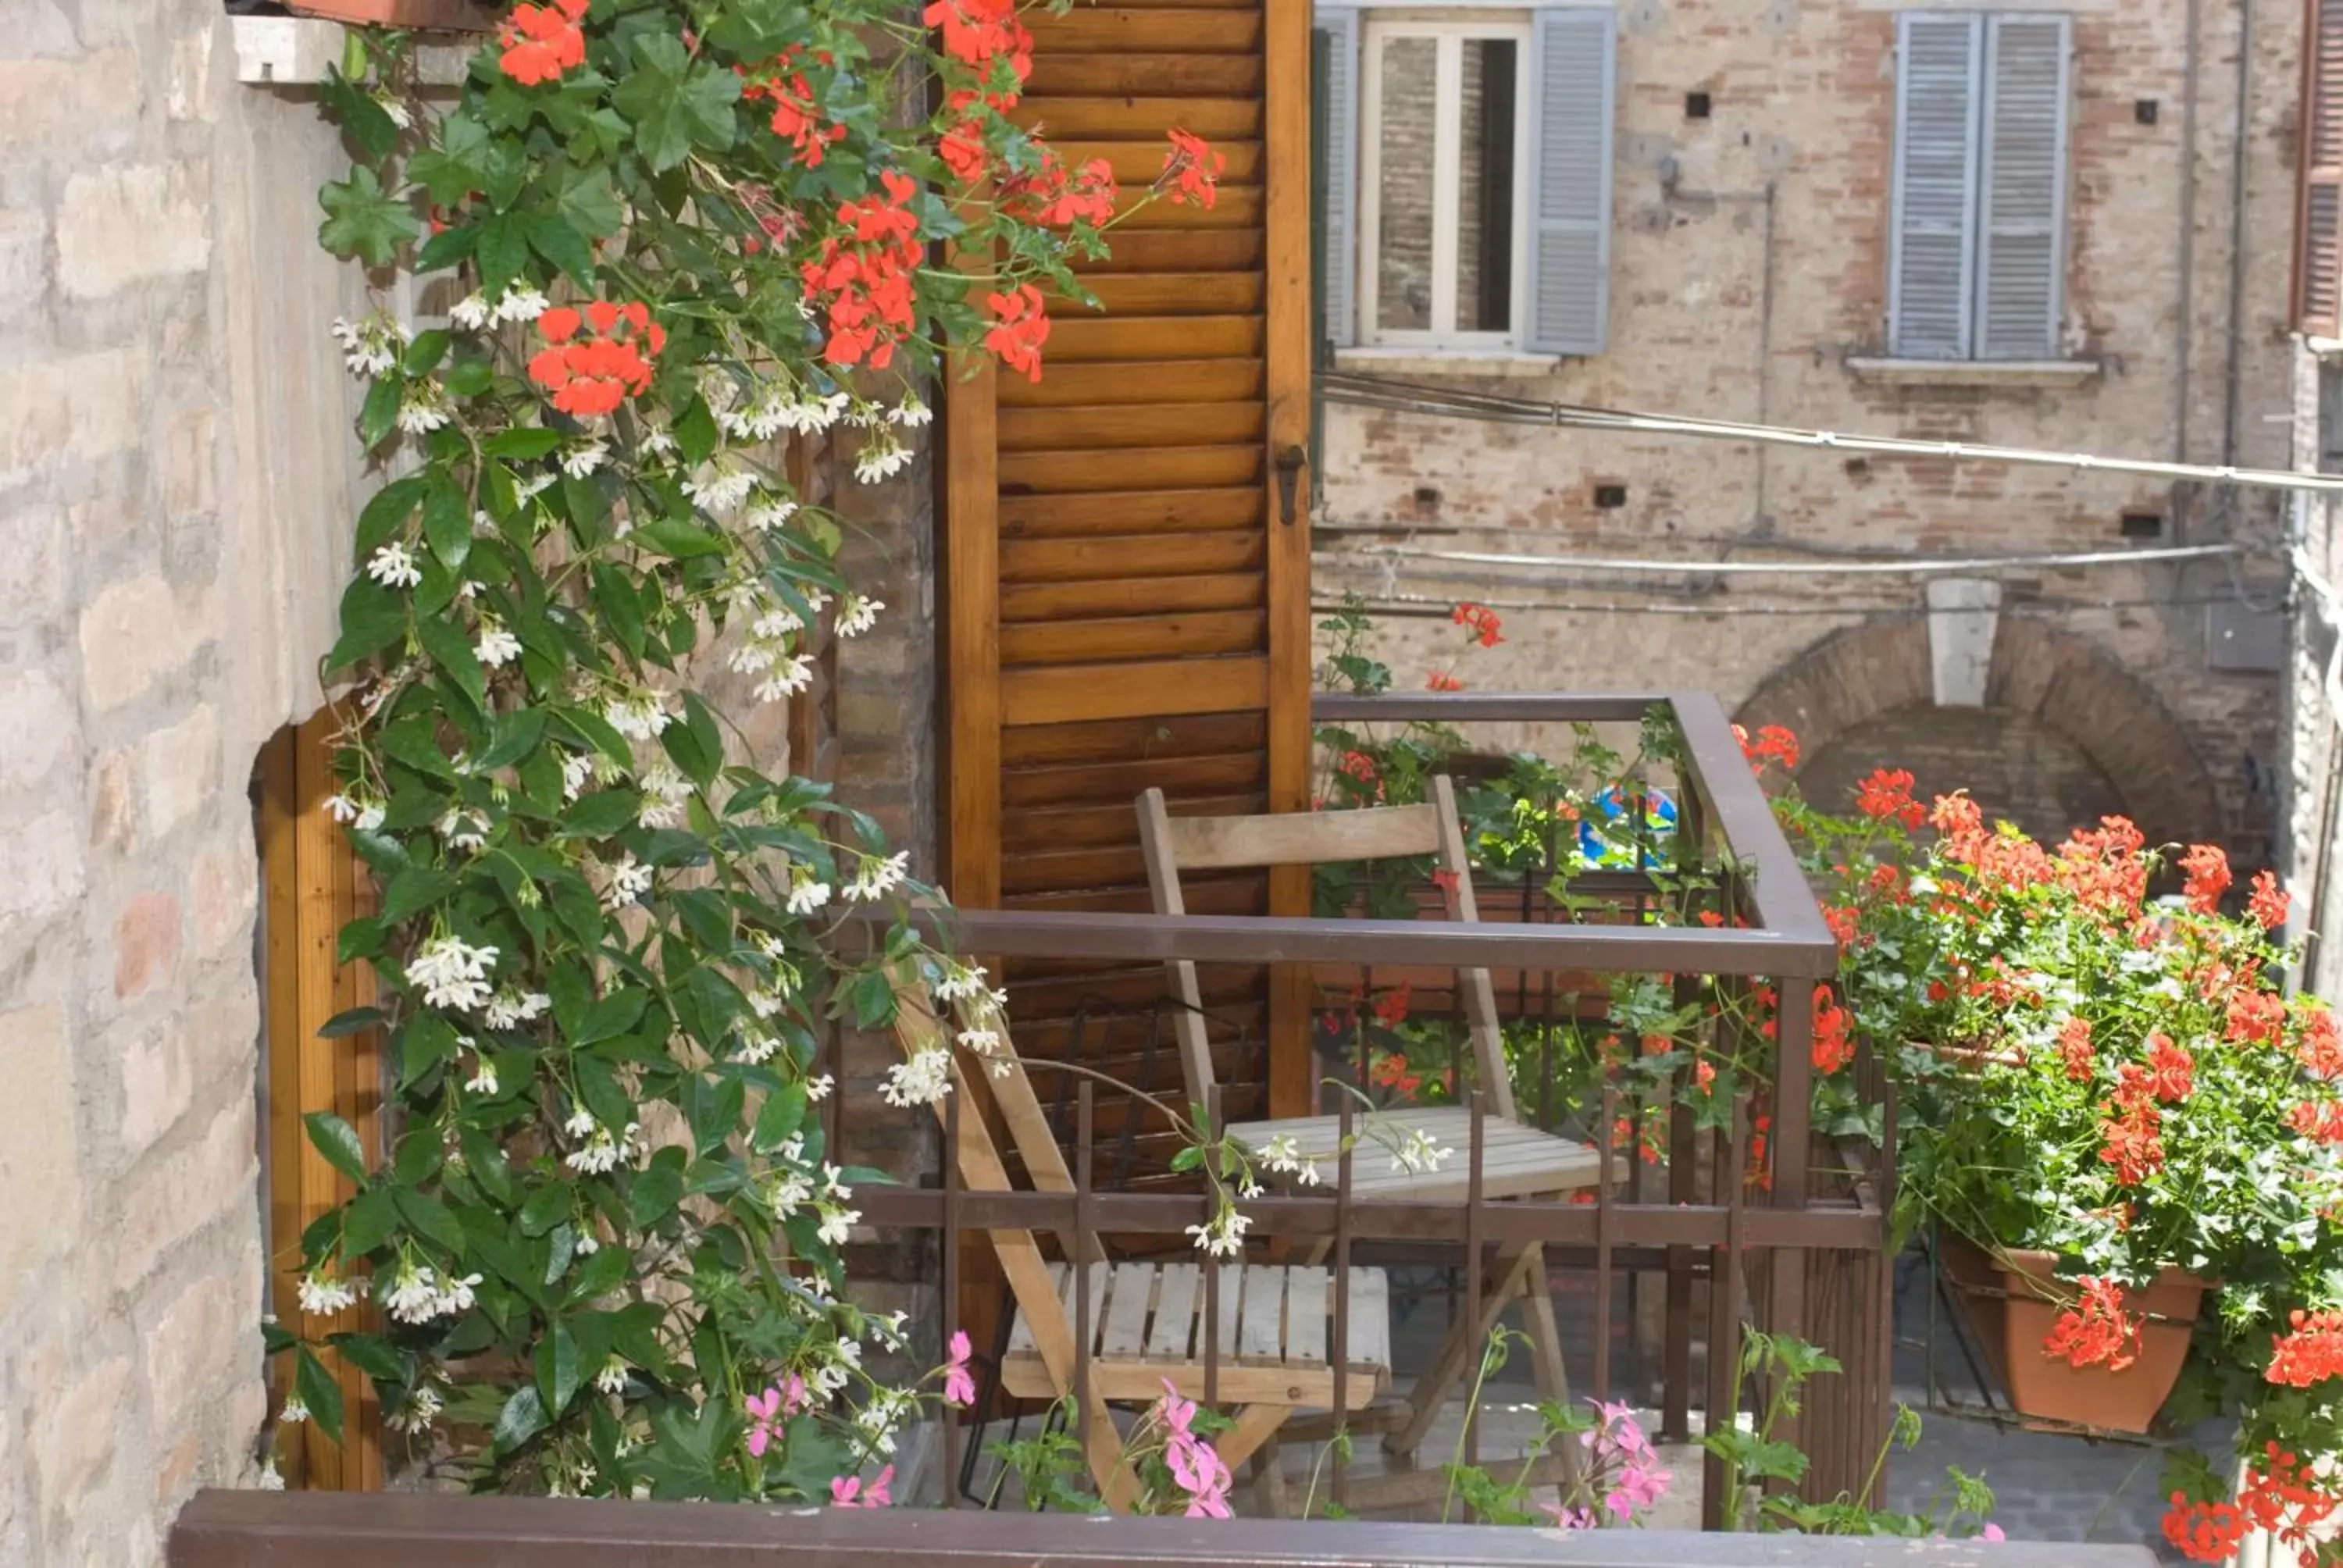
(1801, 1255)
(378, 1530)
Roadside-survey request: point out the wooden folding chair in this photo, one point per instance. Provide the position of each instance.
(1517, 1160)
(1147, 1320)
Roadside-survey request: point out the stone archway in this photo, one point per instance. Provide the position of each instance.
(2062, 730)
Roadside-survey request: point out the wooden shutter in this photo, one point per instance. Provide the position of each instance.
(1574, 58)
(2319, 267)
(1338, 216)
(1932, 260)
(2021, 247)
(1127, 601)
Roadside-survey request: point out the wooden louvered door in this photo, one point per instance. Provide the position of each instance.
(1127, 585)
(2318, 222)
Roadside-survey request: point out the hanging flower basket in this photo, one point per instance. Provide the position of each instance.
(2013, 1300)
(429, 15)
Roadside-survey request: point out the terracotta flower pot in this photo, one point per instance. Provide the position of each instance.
(437, 15)
(2013, 1300)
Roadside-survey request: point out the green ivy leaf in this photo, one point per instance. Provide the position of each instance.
(448, 525)
(515, 736)
(656, 1191)
(317, 1389)
(621, 612)
(386, 514)
(674, 536)
(371, 1219)
(599, 1275)
(363, 221)
(425, 1041)
(673, 105)
(599, 814)
(451, 651)
(524, 442)
(363, 120)
(374, 1356)
(452, 171)
(358, 938)
(544, 1208)
(338, 1142)
(352, 1020)
(432, 1218)
(782, 1114)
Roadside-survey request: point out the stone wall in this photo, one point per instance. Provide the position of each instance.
(176, 481)
(1749, 280)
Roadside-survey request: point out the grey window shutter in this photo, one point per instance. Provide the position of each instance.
(1574, 65)
(1931, 266)
(2020, 244)
(1341, 213)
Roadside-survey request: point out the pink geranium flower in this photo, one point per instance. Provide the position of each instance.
(848, 1491)
(960, 1388)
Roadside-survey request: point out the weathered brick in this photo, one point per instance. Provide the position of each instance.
(146, 943)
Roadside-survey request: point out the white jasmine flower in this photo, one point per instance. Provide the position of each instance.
(1222, 1236)
(806, 894)
(271, 1478)
(1418, 1153)
(874, 878)
(520, 302)
(484, 1078)
(881, 458)
(612, 1378)
(395, 109)
(765, 1002)
(575, 768)
(452, 973)
(455, 1296)
(836, 1223)
(820, 1089)
(588, 1243)
(664, 792)
(982, 1042)
(510, 1009)
(603, 1152)
(788, 1193)
(368, 820)
(497, 646)
(462, 830)
(641, 717)
(857, 615)
(656, 443)
(422, 1408)
(295, 1413)
(769, 513)
(392, 566)
(924, 1080)
(581, 1123)
(722, 492)
(424, 408)
(370, 346)
(470, 313)
(811, 416)
(756, 1047)
(535, 485)
(910, 412)
(629, 881)
(342, 809)
(961, 982)
(414, 1295)
(794, 675)
(580, 458)
(324, 1293)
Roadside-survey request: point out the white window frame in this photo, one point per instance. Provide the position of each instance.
(1450, 33)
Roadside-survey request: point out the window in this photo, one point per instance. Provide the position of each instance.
(1979, 241)
(1465, 189)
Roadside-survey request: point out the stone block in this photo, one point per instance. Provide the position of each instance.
(42, 727)
(193, 1342)
(112, 800)
(75, 1438)
(75, 410)
(191, 460)
(187, 1192)
(163, 1065)
(92, 102)
(137, 632)
(146, 943)
(180, 767)
(117, 225)
(41, 865)
(24, 265)
(225, 887)
(32, 562)
(37, 1160)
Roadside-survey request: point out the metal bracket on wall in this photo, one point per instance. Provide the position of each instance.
(299, 51)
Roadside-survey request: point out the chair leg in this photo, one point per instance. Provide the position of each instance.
(1546, 1354)
(1461, 1349)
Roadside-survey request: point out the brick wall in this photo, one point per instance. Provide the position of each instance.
(1745, 288)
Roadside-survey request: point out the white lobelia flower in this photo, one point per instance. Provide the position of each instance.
(295, 1413)
(629, 881)
(807, 893)
(470, 313)
(881, 458)
(424, 408)
(325, 1292)
(857, 615)
(452, 973)
(497, 646)
(414, 1294)
(392, 566)
(911, 413)
(580, 458)
(924, 1080)
(874, 878)
(520, 302)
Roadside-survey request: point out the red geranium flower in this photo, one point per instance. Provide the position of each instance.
(2207, 872)
(1887, 796)
(2095, 1331)
(590, 376)
(2269, 902)
(1023, 325)
(541, 42)
(1193, 169)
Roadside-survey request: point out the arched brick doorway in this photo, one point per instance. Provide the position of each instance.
(2066, 733)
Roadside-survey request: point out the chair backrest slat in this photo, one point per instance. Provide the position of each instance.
(1173, 845)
